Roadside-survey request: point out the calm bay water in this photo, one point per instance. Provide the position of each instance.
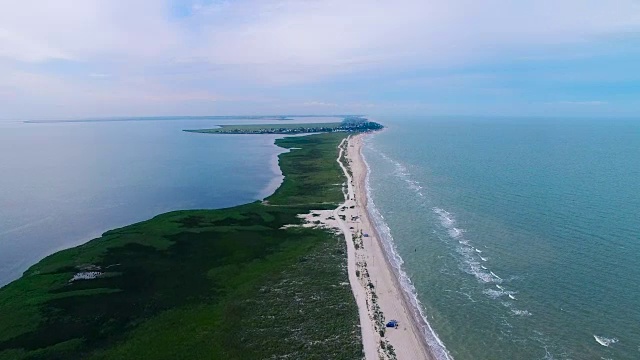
(521, 236)
(62, 184)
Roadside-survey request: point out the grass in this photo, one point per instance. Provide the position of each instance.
(310, 179)
(228, 283)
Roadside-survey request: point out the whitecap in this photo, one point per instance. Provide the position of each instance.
(455, 232)
(496, 294)
(521, 312)
(496, 276)
(403, 173)
(446, 218)
(605, 341)
(396, 261)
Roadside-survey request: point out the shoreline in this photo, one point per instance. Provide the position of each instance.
(430, 338)
(386, 299)
(278, 176)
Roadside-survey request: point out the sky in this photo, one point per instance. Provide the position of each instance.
(99, 58)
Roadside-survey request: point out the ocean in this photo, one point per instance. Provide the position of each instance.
(65, 183)
(521, 237)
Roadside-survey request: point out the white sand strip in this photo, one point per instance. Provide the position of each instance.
(374, 284)
(407, 340)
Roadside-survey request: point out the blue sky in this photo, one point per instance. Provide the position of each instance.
(70, 59)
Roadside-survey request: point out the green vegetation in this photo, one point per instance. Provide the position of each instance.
(350, 124)
(265, 129)
(206, 284)
(311, 179)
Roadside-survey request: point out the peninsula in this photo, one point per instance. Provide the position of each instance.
(349, 124)
(235, 283)
(269, 279)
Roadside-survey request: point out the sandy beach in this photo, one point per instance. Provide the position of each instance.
(373, 281)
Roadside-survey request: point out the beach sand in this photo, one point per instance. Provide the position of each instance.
(373, 281)
(407, 340)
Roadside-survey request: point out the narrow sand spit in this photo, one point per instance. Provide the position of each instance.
(373, 282)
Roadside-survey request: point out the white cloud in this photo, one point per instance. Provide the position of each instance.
(249, 44)
(18, 47)
(83, 30)
(328, 37)
(331, 35)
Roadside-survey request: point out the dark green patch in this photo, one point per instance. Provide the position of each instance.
(310, 178)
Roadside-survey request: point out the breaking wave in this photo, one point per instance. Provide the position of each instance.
(432, 339)
(471, 258)
(520, 312)
(605, 341)
(402, 172)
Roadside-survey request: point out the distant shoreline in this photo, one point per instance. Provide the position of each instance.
(157, 119)
(348, 125)
(170, 118)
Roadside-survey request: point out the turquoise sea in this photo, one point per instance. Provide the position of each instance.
(520, 237)
(64, 183)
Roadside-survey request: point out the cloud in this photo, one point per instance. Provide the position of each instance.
(21, 48)
(313, 36)
(321, 38)
(252, 48)
(84, 30)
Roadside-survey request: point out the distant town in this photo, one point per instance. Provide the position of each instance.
(351, 124)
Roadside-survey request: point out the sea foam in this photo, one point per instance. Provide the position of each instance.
(605, 341)
(520, 312)
(470, 254)
(472, 260)
(402, 172)
(435, 344)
